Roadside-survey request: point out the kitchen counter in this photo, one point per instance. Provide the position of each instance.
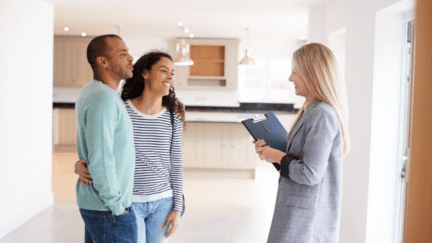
(221, 116)
(232, 117)
(217, 117)
(65, 97)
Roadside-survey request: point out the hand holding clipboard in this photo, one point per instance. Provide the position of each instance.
(269, 129)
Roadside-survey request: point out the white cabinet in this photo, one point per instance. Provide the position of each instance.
(215, 65)
(220, 146)
(242, 149)
(64, 130)
(67, 127)
(193, 147)
(71, 68)
(216, 145)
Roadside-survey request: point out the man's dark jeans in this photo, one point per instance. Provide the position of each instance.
(102, 226)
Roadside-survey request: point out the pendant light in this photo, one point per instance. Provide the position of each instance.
(183, 56)
(247, 60)
(183, 50)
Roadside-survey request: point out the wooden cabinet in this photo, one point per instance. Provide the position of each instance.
(71, 68)
(215, 65)
(221, 146)
(209, 61)
(67, 127)
(55, 125)
(64, 130)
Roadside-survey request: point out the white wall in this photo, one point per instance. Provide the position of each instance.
(269, 47)
(336, 42)
(267, 50)
(139, 45)
(316, 24)
(367, 61)
(26, 67)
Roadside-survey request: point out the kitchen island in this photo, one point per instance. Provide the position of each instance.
(215, 143)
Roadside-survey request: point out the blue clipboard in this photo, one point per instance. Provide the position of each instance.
(268, 128)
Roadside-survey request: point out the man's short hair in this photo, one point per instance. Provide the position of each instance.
(98, 48)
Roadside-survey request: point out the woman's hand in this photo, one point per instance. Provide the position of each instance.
(259, 144)
(83, 172)
(268, 154)
(173, 218)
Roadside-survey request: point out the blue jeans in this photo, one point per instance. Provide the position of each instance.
(151, 217)
(102, 226)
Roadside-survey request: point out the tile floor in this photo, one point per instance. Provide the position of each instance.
(217, 210)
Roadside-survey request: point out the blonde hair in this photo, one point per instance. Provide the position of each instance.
(318, 68)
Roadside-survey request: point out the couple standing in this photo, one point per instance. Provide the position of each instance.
(132, 145)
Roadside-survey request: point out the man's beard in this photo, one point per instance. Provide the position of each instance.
(120, 73)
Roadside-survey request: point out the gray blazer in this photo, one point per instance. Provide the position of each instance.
(308, 203)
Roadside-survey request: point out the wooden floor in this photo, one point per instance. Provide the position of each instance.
(217, 210)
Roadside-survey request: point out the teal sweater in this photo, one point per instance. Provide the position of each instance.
(105, 140)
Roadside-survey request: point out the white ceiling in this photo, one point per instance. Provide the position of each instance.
(217, 18)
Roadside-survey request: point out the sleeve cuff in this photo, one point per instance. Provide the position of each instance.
(285, 162)
(178, 205)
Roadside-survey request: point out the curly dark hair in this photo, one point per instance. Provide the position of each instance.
(134, 87)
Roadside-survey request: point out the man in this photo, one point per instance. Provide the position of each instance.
(105, 140)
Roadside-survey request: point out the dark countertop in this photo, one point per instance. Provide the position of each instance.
(243, 108)
(63, 105)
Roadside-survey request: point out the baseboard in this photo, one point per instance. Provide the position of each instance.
(25, 216)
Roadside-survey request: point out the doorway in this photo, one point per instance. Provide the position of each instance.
(405, 127)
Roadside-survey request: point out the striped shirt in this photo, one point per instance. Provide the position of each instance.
(158, 160)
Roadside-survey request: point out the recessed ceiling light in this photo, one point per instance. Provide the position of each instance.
(186, 30)
(302, 38)
(180, 24)
(66, 28)
(191, 35)
(83, 34)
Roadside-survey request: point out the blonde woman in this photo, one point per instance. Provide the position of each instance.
(310, 185)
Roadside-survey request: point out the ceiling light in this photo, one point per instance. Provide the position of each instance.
(186, 30)
(83, 34)
(191, 35)
(302, 38)
(180, 24)
(66, 28)
(247, 60)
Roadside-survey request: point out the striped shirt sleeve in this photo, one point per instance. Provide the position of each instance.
(177, 165)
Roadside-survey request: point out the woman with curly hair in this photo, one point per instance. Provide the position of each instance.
(158, 118)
